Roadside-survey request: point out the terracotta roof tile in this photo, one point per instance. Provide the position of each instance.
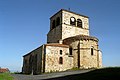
(4, 70)
(57, 45)
(79, 37)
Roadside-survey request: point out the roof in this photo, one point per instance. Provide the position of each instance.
(50, 44)
(57, 45)
(32, 51)
(4, 70)
(70, 12)
(80, 37)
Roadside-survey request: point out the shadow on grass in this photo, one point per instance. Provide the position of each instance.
(99, 74)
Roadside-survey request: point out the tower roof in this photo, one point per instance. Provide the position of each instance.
(69, 12)
(79, 37)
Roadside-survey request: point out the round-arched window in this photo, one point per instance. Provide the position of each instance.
(79, 23)
(72, 21)
(92, 50)
(60, 60)
(58, 21)
(53, 24)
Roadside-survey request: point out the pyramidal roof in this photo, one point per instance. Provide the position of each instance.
(69, 12)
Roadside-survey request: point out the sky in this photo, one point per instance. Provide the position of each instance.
(24, 25)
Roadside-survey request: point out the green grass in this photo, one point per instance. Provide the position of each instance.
(75, 68)
(6, 76)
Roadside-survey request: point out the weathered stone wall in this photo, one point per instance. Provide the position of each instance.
(54, 17)
(86, 59)
(32, 63)
(100, 59)
(52, 59)
(46, 57)
(40, 57)
(55, 34)
(65, 30)
(68, 30)
(25, 68)
(67, 15)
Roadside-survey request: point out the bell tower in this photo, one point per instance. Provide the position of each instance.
(65, 24)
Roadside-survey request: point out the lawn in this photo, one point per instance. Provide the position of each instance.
(6, 76)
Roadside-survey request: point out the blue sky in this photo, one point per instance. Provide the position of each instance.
(25, 23)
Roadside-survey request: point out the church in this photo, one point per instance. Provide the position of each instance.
(69, 45)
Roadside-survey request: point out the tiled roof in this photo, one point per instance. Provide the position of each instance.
(79, 37)
(57, 45)
(4, 70)
(31, 51)
(70, 12)
(50, 44)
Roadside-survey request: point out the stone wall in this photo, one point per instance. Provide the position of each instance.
(87, 59)
(54, 35)
(32, 62)
(100, 59)
(68, 30)
(54, 17)
(47, 57)
(66, 15)
(65, 30)
(25, 68)
(52, 59)
(82, 53)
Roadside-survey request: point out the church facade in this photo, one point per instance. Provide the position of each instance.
(69, 45)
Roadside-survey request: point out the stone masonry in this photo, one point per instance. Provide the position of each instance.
(69, 45)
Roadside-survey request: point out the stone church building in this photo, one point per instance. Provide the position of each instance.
(69, 45)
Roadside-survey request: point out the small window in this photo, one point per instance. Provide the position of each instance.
(60, 60)
(72, 21)
(60, 52)
(53, 24)
(70, 51)
(79, 23)
(58, 21)
(92, 53)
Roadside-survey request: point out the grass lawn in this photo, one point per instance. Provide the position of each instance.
(6, 76)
